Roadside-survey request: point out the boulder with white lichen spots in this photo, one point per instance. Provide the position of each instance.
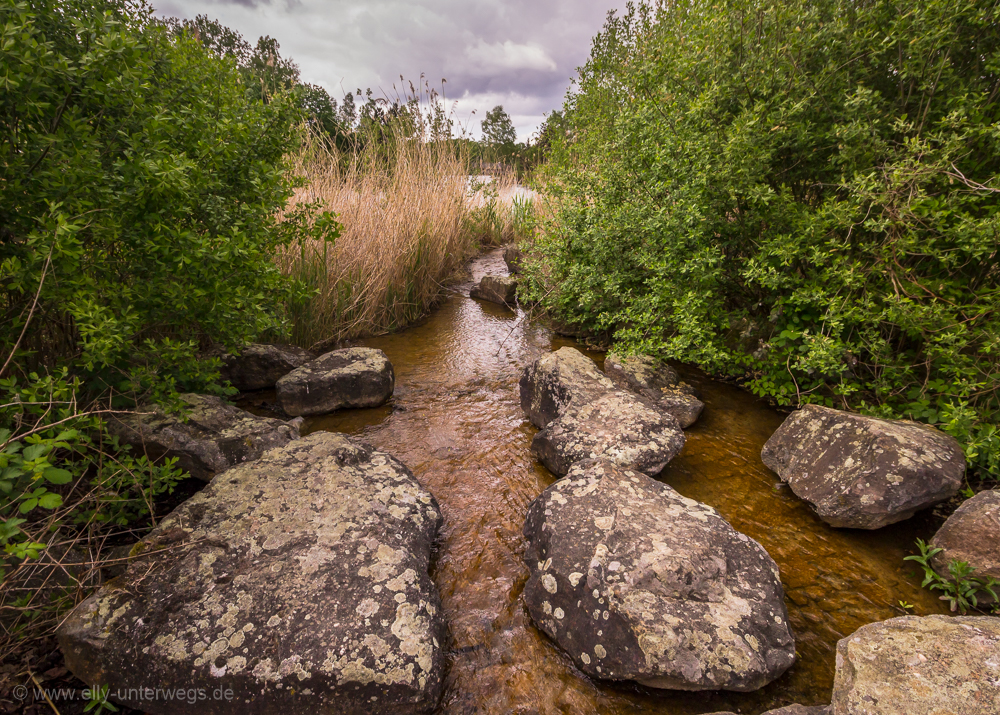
(259, 366)
(636, 582)
(863, 472)
(552, 382)
(298, 581)
(617, 426)
(350, 377)
(657, 382)
(209, 437)
(913, 665)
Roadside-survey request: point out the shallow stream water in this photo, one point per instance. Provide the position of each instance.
(455, 420)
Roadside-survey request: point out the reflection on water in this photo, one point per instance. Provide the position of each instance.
(456, 422)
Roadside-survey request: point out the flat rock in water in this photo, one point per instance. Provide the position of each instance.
(496, 289)
(214, 437)
(636, 582)
(971, 534)
(260, 366)
(930, 665)
(657, 382)
(299, 582)
(512, 257)
(350, 377)
(617, 426)
(553, 381)
(864, 472)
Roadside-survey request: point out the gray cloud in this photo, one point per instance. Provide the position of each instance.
(519, 53)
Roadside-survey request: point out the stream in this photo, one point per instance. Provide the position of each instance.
(455, 420)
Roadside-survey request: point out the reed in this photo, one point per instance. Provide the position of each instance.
(411, 219)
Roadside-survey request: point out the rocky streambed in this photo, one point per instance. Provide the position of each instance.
(264, 560)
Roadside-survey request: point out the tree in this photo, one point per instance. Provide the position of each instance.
(498, 129)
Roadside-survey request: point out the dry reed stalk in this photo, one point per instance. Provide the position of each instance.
(409, 222)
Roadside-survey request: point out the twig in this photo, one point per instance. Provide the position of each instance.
(44, 693)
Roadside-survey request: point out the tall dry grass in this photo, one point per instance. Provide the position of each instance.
(410, 221)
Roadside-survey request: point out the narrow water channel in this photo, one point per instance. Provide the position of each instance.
(456, 422)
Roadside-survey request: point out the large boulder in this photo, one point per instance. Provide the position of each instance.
(615, 425)
(555, 380)
(863, 472)
(210, 437)
(298, 582)
(259, 366)
(496, 289)
(657, 382)
(636, 582)
(931, 665)
(350, 377)
(971, 534)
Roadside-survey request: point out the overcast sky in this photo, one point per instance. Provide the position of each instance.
(518, 53)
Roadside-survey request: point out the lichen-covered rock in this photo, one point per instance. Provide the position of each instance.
(971, 534)
(616, 426)
(639, 372)
(657, 382)
(496, 289)
(553, 381)
(863, 472)
(210, 438)
(512, 257)
(931, 665)
(299, 582)
(636, 582)
(350, 377)
(260, 366)
(800, 710)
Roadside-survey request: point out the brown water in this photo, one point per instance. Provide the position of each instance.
(456, 422)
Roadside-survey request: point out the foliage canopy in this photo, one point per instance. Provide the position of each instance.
(802, 193)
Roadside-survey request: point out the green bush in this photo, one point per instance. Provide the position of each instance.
(801, 193)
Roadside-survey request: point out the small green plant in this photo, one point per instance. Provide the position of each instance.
(963, 590)
(906, 606)
(99, 700)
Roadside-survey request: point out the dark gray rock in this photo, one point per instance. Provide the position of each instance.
(639, 372)
(931, 665)
(553, 381)
(260, 366)
(496, 289)
(801, 710)
(863, 472)
(617, 426)
(298, 581)
(657, 382)
(350, 377)
(214, 437)
(971, 534)
(636, 582)
(512, 257)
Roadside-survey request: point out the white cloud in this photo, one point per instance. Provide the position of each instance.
(510, 56)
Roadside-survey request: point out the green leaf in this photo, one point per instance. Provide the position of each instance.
(50, 500)
(58, 476)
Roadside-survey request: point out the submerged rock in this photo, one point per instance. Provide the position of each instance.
(214, 437)
(931, 665)
(554, 381)
(636, 582)
(971, 534)
(863, 472)
(617, 426)
(657, 382)
(512, 257)
(260, 366)
(298, 581)
(496, 289)
(350, 377)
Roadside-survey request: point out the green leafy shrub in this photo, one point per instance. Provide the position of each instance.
(803, 194)
(963, 590)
